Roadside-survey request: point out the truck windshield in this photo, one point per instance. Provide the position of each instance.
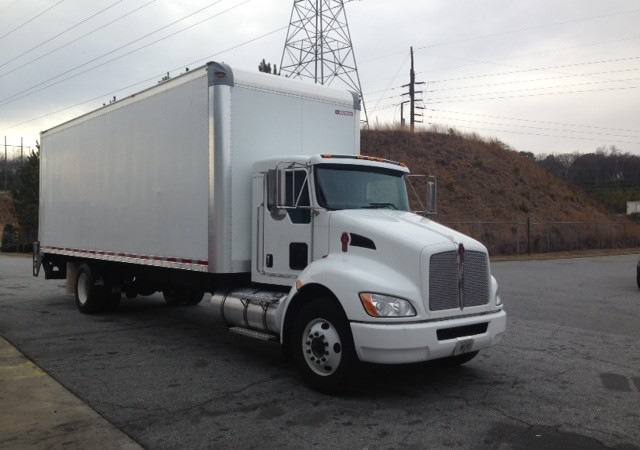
(356, 187)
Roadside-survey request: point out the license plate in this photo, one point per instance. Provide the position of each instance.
(463, 346)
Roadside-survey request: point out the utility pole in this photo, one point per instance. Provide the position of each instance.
(6, 164)
(412, 96)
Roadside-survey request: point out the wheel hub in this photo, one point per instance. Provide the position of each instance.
(322, 347)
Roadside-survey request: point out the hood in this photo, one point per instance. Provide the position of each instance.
(401, 227)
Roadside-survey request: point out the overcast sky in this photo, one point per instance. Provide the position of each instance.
(541, 76)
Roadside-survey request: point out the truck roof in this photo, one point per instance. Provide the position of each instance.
(326, 158)
(222, 74)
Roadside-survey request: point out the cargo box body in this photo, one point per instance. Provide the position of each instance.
(163, 177)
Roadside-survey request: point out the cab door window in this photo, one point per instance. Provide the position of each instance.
(297, 195)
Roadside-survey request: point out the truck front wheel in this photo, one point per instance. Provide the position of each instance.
(323, 347)
(90, 297)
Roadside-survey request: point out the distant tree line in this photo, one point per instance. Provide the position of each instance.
(609, 175)
(24, 190)
(266, 68)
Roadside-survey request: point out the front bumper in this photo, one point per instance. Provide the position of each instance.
(415, 342)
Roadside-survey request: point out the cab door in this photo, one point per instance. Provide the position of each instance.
(287, 223)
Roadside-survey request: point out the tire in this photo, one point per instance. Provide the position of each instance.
(193, 297)
(455, 361)
(322, 347)
(172, 296)
(90, 296)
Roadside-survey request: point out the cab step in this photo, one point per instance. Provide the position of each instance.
(254, 334)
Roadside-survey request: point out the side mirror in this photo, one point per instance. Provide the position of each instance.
(276, 189)
(432, 194)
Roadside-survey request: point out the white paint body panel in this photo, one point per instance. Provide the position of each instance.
(397, 267)
(416, 342)
(130, 179)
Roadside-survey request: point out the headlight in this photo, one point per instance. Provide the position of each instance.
(378, 305)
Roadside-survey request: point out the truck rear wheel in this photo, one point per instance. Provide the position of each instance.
(90, 297)
(323, 346)
(194, 297)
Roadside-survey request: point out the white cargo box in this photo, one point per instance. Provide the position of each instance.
(163, 177)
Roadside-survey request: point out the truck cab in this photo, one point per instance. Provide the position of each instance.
(363, 278)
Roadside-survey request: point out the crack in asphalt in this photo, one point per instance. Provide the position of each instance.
(203, 404)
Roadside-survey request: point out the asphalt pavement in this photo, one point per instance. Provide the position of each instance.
(567, 375)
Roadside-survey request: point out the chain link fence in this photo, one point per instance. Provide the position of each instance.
(530, 236)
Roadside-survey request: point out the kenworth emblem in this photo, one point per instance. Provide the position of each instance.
(461, 276)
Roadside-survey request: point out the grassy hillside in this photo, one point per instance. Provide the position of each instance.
(485, 181)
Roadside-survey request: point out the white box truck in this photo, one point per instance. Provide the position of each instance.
(251, 187)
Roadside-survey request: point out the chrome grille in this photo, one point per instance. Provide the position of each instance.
(443, 281)
(444, 290)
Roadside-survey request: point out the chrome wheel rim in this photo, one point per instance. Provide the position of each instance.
(322, 347)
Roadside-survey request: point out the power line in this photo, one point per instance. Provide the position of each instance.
(476, 62)
(78, 38)
(589, 83)
(155, 77)
(591, 44)
(502, 33)
(375, 107)
(537, 27)
(60, 34)
(535, 80)
(533, 134)
(539, 128)
(535, 121)
(466, 99)
(380, 108)
(384, 90)
(9, 6)
(562, 66)
(496, 64)
(26, 92)
(30, 20)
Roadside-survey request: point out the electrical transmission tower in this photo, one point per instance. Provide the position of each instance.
(319, 47)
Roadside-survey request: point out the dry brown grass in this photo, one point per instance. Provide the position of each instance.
(485, 181)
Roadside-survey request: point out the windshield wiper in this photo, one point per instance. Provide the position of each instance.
(381, 205)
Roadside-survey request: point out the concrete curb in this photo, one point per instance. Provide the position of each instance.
(38, 412)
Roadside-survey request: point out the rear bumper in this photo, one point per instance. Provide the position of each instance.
(408, 343)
